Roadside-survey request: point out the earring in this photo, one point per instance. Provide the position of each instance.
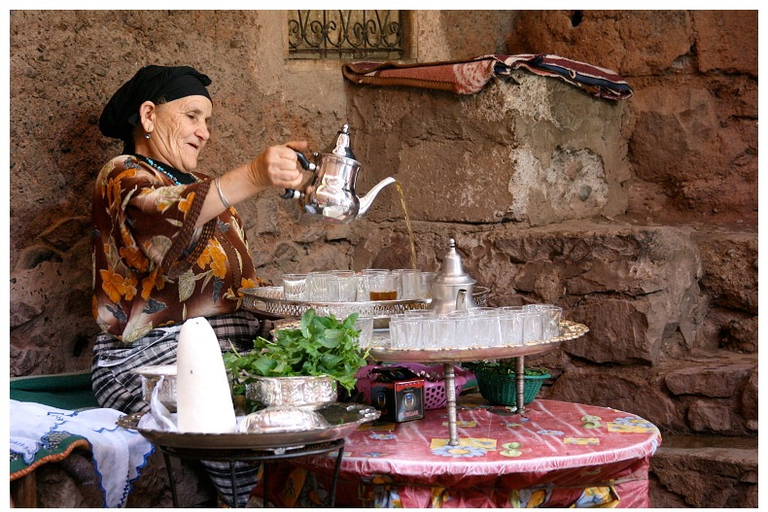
(147, 135)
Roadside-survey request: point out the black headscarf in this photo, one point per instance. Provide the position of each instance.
(157, 84)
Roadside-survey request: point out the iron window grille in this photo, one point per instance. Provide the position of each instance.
(375, 35)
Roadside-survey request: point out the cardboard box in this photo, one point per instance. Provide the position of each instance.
(398, 393)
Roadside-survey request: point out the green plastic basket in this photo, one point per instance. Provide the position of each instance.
(499, 389)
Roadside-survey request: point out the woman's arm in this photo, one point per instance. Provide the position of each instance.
(276, 166)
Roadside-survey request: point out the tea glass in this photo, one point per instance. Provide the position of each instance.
(551, 318)
(532, 326)
(381, 284)
(511, 324)
(405, 332)
(463, 335)
(415, 284)
(410, 284)
(443, 331)
(486, 326)
(295, 286)
(422, 328)
(364, 324)
(397, 331)
(427, 278)
(317, 286)
(342, 286)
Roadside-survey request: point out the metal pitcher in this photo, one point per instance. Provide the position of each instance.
(452, 288)
(331, 196)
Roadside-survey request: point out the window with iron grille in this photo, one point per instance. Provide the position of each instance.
(372, 35)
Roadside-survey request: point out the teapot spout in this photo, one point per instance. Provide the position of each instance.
(367, 199)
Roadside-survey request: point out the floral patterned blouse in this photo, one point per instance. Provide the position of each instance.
(151, 267)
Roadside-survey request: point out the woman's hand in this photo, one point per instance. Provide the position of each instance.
(278, 166)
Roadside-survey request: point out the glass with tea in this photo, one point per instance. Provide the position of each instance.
(381, 284)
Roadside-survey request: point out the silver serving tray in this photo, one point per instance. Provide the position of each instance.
(381, 351)
(269, 300)
(343, 418)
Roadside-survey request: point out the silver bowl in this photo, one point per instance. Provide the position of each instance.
(308, 392)
(283, 419)
(159, 375)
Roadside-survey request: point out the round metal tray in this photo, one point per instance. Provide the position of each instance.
(342, 418)
(269, 300)
(381, 351)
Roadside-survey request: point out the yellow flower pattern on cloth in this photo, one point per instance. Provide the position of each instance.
(467, 447)
(528, 498)
(583, 441)
(213, 256)
(603, 497)
(463, 423)
(631, 424)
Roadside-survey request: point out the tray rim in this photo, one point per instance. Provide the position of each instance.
(271, 300)
(254, 440)
(569, 329)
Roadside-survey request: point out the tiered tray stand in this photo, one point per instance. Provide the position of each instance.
(382, 352)
(269, 301)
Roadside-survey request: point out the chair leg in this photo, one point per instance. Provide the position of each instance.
(24, 491)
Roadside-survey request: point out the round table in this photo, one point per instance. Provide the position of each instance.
(557, 454)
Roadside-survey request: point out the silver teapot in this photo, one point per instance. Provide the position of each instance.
(331, 195)
(452, 288)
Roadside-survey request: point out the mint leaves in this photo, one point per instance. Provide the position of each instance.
(322, 345)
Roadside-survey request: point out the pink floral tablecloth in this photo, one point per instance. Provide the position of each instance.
(559, 454)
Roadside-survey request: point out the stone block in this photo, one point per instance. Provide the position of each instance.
(529, 149)
(726, 43)
(710, 416)
(715, 378)
(749, 403)
(730, 261)
(709, 471)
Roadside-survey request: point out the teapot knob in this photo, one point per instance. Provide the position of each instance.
(452, 264)
(342, 147)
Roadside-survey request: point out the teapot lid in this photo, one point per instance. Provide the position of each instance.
(341, 148)
(452, 271)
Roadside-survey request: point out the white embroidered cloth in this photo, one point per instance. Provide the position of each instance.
(118, 454)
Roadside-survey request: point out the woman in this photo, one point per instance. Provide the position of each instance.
(167, 243)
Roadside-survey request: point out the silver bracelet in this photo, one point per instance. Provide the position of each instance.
(221, 194)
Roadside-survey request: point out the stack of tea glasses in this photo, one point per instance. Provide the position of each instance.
(351, 286)
(475, 327)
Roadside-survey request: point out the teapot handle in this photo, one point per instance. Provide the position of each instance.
(306, 165)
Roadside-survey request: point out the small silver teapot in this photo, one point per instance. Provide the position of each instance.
(331, 195)
(452, 288)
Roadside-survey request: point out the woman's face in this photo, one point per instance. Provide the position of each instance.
(180, 131)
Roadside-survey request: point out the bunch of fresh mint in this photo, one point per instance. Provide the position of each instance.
(322, 345)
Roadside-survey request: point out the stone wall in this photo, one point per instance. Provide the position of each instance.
(639, 218)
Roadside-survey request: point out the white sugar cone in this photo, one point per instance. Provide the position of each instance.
(203, 397)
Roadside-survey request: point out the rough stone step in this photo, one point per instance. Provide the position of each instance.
(705, 471)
